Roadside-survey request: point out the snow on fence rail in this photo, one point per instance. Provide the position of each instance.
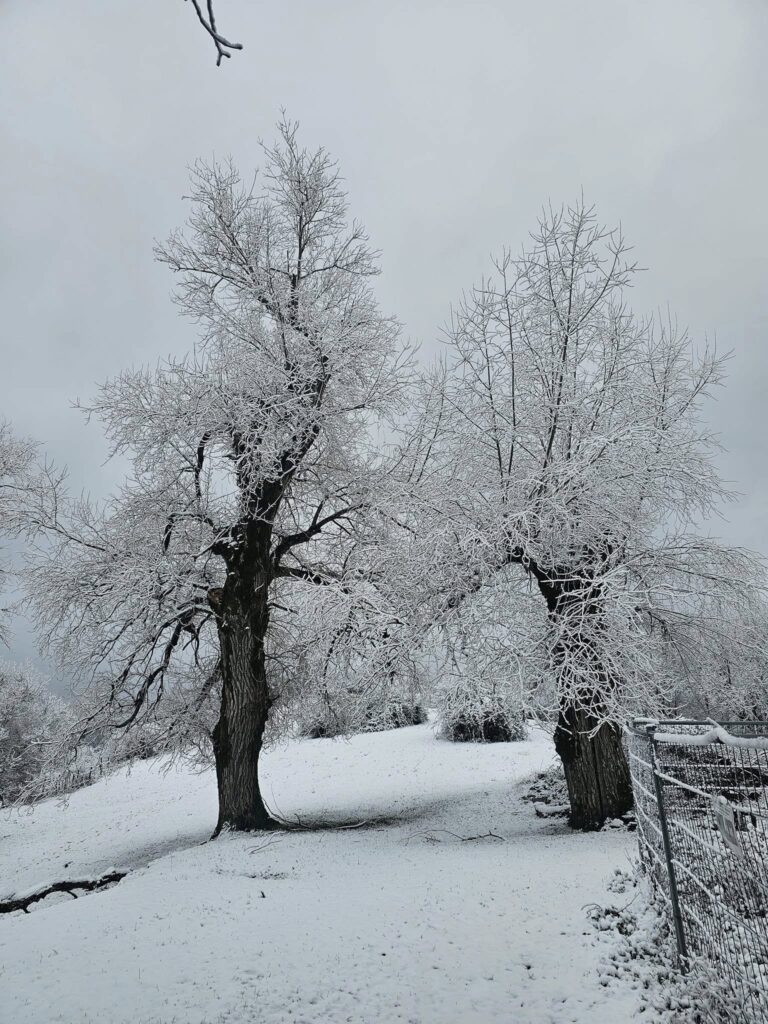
(701, 800)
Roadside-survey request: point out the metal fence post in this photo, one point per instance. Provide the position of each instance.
(673, 894)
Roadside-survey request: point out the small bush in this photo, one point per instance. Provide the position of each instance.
(394, 715)
(489, 728)
(472, 712)
(321, 730)
(322, 715)
(346, 713)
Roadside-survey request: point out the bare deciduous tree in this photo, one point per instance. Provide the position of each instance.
(18, 482)
(568, 439)
(257, 481)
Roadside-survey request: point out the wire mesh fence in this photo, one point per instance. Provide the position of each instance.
(701, 801)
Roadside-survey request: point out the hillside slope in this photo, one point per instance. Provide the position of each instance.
(402, 919)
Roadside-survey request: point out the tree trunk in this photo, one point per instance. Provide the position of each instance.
(242, 615)
(596, 769)
(595, 766)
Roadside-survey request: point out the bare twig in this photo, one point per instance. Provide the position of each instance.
(223, 46)
(274, 841)
(462, 839)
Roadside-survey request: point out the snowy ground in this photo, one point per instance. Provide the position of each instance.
(398, 920)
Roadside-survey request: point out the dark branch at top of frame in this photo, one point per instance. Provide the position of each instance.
(207, 19)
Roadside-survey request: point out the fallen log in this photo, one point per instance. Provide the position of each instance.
(71, 887)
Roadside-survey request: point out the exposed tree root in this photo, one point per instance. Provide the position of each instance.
(24, 902)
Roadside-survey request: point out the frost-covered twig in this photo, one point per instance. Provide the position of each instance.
(208, 21)
(455, 835)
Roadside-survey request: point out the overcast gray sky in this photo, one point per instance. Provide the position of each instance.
(453, 124)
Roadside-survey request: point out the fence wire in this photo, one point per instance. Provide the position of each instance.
(701, 801)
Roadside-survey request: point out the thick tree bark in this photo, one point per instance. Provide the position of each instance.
(242, 614)
(596, 769)
(594, 762)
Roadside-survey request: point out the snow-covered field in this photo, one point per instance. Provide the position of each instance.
(395, 920)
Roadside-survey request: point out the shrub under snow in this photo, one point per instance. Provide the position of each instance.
(474, 711)
(344, 712)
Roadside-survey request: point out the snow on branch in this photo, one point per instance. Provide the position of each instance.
(72, 888)
(208, 20)
(562, 454)
(256, 468)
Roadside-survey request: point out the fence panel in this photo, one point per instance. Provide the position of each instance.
(701, 796)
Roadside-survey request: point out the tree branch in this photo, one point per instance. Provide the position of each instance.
(89, 885)
(209, 24)
(323, 578)
(312, 530)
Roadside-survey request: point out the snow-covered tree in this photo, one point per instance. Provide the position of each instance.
(565, 442)
(256, 476)
(18, 485)
(722, 672)
(494, 661)
(32, 719)
(353, 662)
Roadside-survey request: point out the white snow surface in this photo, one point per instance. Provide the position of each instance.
(398, 920)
